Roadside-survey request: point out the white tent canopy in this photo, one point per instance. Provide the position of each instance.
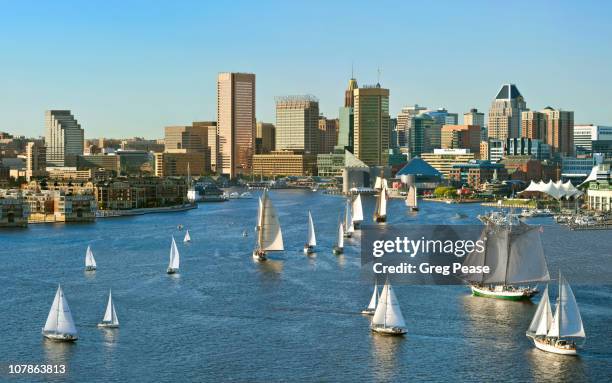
(557, 190)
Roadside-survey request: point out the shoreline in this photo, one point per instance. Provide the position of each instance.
(144, 210)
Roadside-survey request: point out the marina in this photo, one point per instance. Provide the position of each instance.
(312, 303)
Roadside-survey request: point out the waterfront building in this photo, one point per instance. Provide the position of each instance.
(505, 113)
(180, 163)
(36, 159)
(64, 138)
(328, 134)
(476, 172)
(14, 210)
(285, 163)
(213, 147)
(332, 164)
(577, 169)
(527, 146)
(60, 205)
(140, 192)
(599, 190)
(603, 147)
(585, 134)
(404, 118)
(297, 123)
(420, 173)
(265, 138)
(371, 125)
(444, 159)
(235, 123)
(491, 149)
(461, 137)
(559, 131)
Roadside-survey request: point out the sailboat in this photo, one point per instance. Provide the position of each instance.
(60, 325)
(348, 220)
(380, 212)
(110, 319)
(173, 265)
(312, 239)
(373, 302)
(269, 234)
(411, 198)
(556, 333)
(339, 247)
(187, 238)
(357, 212)
(90, 261)
(388, 318)
(515, 257)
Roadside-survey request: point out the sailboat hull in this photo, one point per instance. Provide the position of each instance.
(90, 268)
(368, 312)
(170, 270)
(308, 250)
(356, 225)
(259, 256)
(517, 294)
(60, 337)
(337, 250)
(555, 348)
(380, 218)
(396, 331)
(348, 235)
(107, 325)
(413, 208)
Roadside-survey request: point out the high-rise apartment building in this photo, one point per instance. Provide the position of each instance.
(235, 123)
(36, 159)
(371, 125)
(64, 138)
(559, 131)
(266, 138)
(461, 137)
(297, 124)
(403, 122)
(328, 134)
(533, 125)
(505, 113)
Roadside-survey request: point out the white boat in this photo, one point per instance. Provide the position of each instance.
(373, 302)
(234, 195)
(388, 318)
(173, 265)
(312, 240)
(411, 198)
(357, 211)
(90, 261)
(110, 319)
(269, 234)
(246, 195)
(515, 257)
(339, 246)
(349, 229)
(380, 212)
(187, 238)
(557, 333)
(60, 325)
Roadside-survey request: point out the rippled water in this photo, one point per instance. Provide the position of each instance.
(294, 318)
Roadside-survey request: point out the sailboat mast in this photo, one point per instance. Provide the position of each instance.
(508, 244)
(560, 308)
(263, 218)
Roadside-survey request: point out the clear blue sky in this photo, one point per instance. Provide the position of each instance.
(130, 69)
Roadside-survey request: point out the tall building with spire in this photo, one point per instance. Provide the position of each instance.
(505, 113)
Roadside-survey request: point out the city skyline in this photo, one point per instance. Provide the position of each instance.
(155, 70)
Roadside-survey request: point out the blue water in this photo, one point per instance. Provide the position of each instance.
(293, 318)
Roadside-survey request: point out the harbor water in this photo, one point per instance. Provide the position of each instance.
(292, 318)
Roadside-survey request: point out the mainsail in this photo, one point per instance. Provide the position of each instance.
(340, 243)
(513, 253)
(187, 237)
(567, 321)
(90, 261)
(374, 299)
(348, 218)
(59, 320)
(312, 240)
(270, 235)
(411, 198)
(110, 316)
(542, 320)
(174, 256)
(388, 312)
(357, 209)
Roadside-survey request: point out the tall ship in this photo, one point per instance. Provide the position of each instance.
(515, 257)
(269, 234)
(557, 333)
(380, 211)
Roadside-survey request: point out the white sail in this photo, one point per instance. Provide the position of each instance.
(271, 237)
(187, 237)
(357, 209)
(60, 320)
(382, 209)
(260, 214)
(378, 183)
(388, 312)
(340, 243)
(411, 198)
(174, 256)
(527, 262)
(348, 218)
(110, 316)
(374, 299)
(567, 321)
(90, 261)
(542, 319)
(312, 239)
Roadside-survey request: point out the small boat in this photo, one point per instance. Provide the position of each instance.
(380, 212)
(245, 233)
(411, 198)
(339, 246)
(388, 318)
(90, 261)
(357, 211)
(269, 234)
(110, 319)
(173, 265)
(557, 333)
(60, 325)
(312, 240)
(179, 227)
(349, 229)
(234, 195)
(246, 195)
(373, 302)
(187, 238)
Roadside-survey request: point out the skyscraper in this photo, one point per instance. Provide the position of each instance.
(346, 116)
(505, 113)
(371, 130)
(533, 125)
(213, 146)
(461, 137)
(328, 134)
(403, 122)
(559, 130)
(235, 122)
(189, 144)
(297, 124)
(64, 138)
(36, 159)
(422, 132)
(266, 137)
